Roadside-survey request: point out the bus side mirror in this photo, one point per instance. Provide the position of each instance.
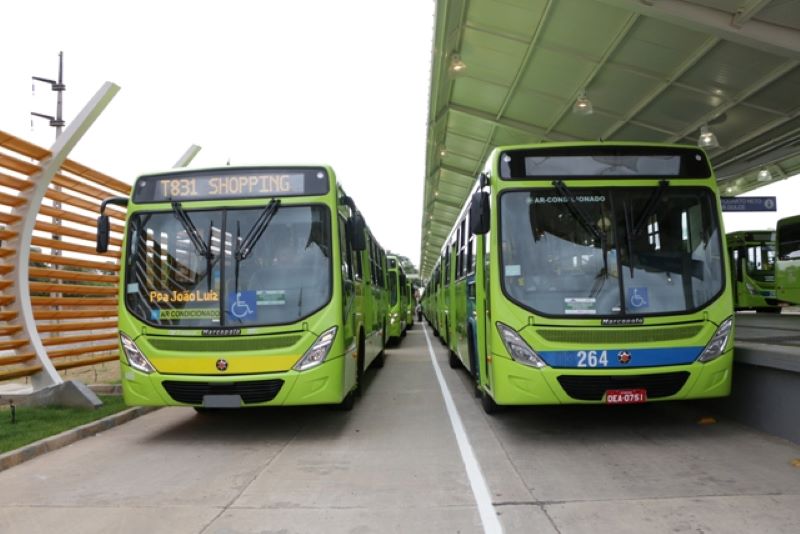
(356, 231)
(103, 230)
(103, 226)
(479, 213)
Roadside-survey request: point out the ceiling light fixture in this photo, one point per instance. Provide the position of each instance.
(457, 65)
(707, 138)
(764, 175)
(583, 106)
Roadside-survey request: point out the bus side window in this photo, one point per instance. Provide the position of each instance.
(344, 245)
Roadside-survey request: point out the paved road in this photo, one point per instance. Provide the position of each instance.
(394, 464)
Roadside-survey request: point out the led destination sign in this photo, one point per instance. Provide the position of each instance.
(230, 183)
(603, 162)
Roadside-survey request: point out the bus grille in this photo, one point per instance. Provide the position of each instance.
(251, 392)
(221, 344)
(592, 388)
(619, 336)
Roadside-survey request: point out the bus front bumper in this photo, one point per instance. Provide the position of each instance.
(515, 383)
(321, 385)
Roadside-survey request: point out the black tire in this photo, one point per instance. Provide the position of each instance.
(379, 360)
(348, 402)
(488, 404)
(453, 360)
(360, 368)
(474, 367)
(206, 411)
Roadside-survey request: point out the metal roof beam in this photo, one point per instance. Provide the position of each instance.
(771, 38)
(759, 84)
(492, 119)
(745, 12)
(599, 64)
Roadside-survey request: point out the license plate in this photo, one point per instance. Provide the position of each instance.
(626, 396)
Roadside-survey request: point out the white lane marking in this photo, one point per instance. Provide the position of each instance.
(491, 524)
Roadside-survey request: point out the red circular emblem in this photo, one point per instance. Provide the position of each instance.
(624, 357)
(222, 365)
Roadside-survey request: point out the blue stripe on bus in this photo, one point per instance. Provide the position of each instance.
(614, 358)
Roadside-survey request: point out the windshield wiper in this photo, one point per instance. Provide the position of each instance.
(245, 246)
(203, 248)
(650, 208)
(191, 230)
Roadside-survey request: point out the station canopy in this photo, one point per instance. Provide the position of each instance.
(510, 71)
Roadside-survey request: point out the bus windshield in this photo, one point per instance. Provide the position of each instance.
(761, 261)
(610, 251)
(180, 272)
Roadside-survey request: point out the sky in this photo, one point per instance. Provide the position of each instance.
(343, 83)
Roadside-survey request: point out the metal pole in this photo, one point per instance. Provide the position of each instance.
(59, 88)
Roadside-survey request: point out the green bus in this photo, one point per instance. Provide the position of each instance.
(398, 300)
(246, 286)
(590, 273)
(411, 303)
(787, 264)
(752, 259)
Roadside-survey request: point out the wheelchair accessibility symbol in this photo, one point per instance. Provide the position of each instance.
(637, 297)
(242, 304)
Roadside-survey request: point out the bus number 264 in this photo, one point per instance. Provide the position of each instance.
(591, 358)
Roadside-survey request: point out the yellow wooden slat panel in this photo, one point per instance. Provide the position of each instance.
(75, 262)
(89, 349)
(68, 340)
(77, 326)
(83, 363)
(73, 289)
(17, 358)
(42, 315)
(19, 372)
(77, 300)
(62, 274)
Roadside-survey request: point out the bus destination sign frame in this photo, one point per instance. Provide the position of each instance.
(230, 183)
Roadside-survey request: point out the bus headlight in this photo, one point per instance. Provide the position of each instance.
(135, 357)
(719, 342)
(750, 288)
(317, 353)
(519, 350)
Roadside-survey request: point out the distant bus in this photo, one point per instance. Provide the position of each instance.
(246, 286)
(752, 258)
(787, 265)
(398, 300)
(411, 303)
(589, 273)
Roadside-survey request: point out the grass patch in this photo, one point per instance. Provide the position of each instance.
(37, 422)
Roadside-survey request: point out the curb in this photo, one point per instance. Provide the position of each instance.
(52, 443)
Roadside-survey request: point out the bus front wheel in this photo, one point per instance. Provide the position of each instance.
(488, 404)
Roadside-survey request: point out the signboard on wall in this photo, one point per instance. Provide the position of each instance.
(749, 204)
